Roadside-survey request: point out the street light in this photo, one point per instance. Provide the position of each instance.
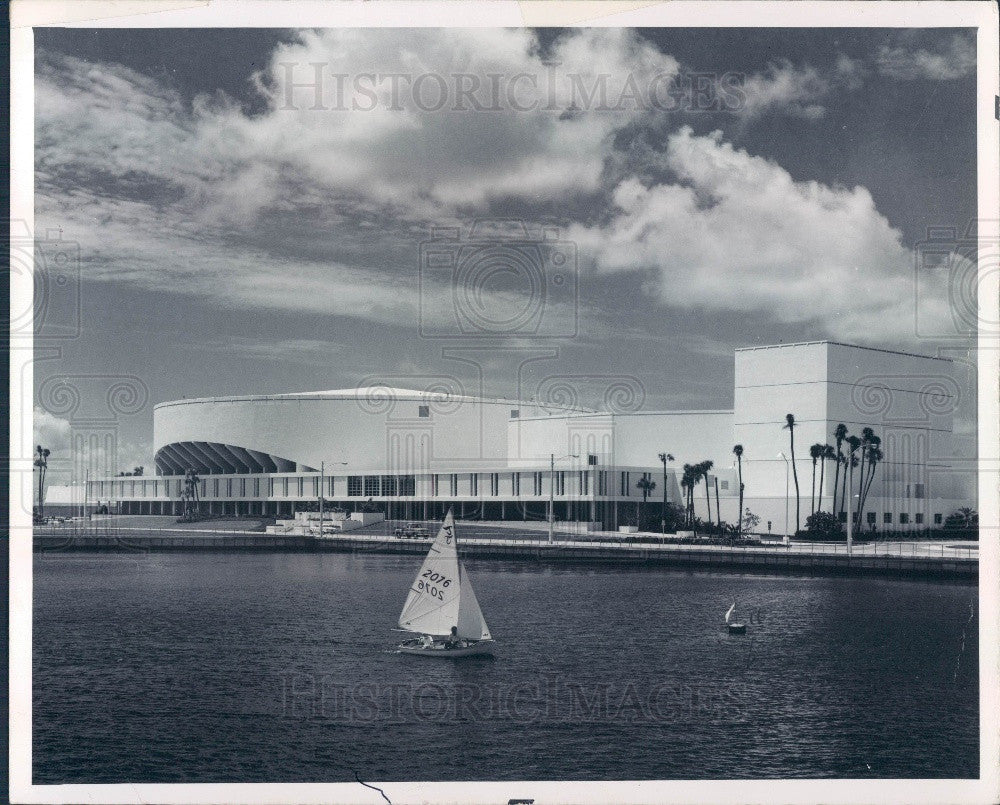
(664, 457)
(322, 492)
(552, 489)
(785, 458)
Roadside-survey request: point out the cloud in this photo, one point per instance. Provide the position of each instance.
(956, 58)
(55, 433)
(736, 234)
(785, 88)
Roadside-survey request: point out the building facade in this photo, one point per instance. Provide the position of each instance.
(415, 453)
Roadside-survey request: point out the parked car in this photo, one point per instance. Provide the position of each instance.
(411, 531)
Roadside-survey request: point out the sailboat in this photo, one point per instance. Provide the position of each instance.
(442, 606)
(733, 626)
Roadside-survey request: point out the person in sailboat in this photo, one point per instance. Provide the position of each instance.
(453, 640)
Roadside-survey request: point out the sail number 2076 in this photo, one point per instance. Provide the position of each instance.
(433, 583)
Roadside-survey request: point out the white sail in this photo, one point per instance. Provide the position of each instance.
(432, 607)
(471, 623)
(729, 614)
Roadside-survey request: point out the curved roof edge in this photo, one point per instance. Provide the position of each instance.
(374, 393)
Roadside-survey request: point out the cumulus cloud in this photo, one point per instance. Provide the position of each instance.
(956, 58)
(737, 233)
(319, 202)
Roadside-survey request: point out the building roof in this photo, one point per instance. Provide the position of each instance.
(843, 344)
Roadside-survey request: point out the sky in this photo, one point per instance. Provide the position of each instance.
(255, 211)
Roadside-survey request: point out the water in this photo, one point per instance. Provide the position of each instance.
(272, 667)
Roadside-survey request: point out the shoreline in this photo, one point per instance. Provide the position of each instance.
(916, 561)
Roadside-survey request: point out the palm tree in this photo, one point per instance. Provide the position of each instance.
(828, 454)
(703, 469)
(790, 427)
(738, 452)
(687, 482)
(191, 481)
(839, 434)
(852, 456)
(815, 452)
(42, 462)
(647, 486)
(867, 435)
(875, 455)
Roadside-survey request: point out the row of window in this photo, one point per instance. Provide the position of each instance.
(887, 518)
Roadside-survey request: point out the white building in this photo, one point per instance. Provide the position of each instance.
(417, 452)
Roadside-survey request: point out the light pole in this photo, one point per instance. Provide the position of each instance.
(322, 492)
(664, 457)
(785, 458)
(552, 490)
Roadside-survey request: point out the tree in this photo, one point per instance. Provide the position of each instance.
(664, 457)
(815, 452)
(790, 427)
(138, 470)
(42, 462)
(828, 455)
(738, 452)
(749, 520)
(191, 481)
(874, 457)
(839, 434)
(851, 459)
(687, 483)
(823, 525)
(703, 469)
(647, 486)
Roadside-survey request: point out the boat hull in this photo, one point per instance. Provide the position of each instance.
(480, 648)
(737, 628)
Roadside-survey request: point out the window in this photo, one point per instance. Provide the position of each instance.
(215, 488)
(625, 489)
(494, 483)
(270, 487)
(723, 485)
(300, 487)
(371, 485)
(329, 487)
(842, 517)
(918, 518)
(423, 411)
(407, 485)
(453, 484)
(435, 480)
(514, 413)
(918, 490)
(354, 486)
(390, 485)
(243, 487)
(887, 518)
(515, 483)
(560, 483)
(584, 482)
(937, 519)
(315, 487)
(229, 487)
(256, 487)
(591, 460)
(602, 482)
(473, 483)
(538, 483)
(870, 517)
(904, 518)
(284, 487)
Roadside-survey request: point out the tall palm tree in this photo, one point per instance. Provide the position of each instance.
(703, 469)
(874, 457)
(738, 452)
(790, 427)
(687, 481)
(867, 435)
(851, 459)
(839, 434)
(828, 455)
(815, 451)
(647, 486)
(42, 462)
